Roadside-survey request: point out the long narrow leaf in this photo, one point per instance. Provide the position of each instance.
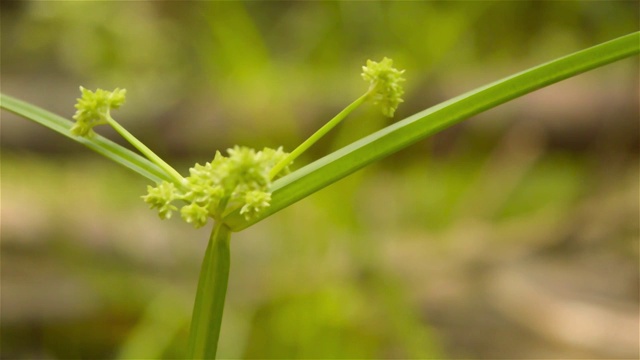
(100, 144)
(349, 159)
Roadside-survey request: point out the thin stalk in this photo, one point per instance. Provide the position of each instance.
(317, 135)
(145, 150)
(212, 289)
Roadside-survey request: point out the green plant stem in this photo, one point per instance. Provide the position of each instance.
(145, 150)
(318, 134)
(212, 289)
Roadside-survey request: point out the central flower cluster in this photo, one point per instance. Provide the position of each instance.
(239, 180)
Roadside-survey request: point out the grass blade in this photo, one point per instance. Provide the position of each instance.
(101, 145)
(335, 166)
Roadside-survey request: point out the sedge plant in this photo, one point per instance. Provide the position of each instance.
(245, 186)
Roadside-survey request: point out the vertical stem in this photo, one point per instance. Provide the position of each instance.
(212, 288)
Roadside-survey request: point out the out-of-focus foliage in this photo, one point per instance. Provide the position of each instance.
(471, 244)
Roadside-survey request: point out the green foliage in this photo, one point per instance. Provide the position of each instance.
(237, 181)
(335, 166)
(385, 88)
(103, 146)
(93, 108)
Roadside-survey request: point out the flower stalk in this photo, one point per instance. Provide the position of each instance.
(148, 153)
(94, 108)
(317, 135)
(384, 90)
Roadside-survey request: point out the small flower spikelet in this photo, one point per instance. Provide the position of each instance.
(385, 82)
(239, 180)
(93, 108)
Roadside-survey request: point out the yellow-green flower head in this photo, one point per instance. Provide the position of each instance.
(255, 202)
(93, 108)
(237, 181)
(385, 87)
(195, 214)
(160, 197)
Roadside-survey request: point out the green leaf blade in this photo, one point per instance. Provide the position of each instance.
(100, 144)
(335, 166)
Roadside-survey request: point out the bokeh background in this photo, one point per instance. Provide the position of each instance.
(511, 235)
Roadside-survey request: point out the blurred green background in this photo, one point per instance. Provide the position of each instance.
(512, 235)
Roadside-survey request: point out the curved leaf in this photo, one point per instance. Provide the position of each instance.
(335, 166)
(102, 145)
